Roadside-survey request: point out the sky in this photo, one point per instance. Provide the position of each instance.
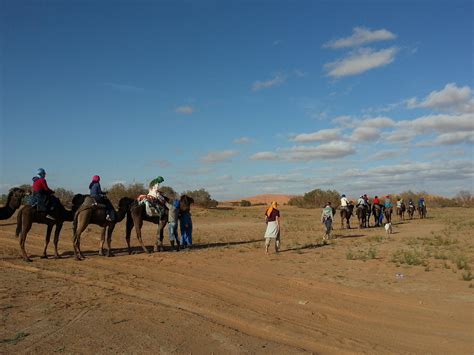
(239, 97)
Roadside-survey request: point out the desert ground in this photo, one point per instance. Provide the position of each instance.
(363, 292)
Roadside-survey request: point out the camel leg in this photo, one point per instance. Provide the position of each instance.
(24, 232)
(79, 248)
(138, 229)
(109, 240)
(77, 242)
(46, 241)
(160, 236)
(74, 244)
(128, 232)
(56, 240)
(102, 241)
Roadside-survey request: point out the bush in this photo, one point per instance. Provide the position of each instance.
(117, 191)
(65, 196)
(413, 257)
(202, 198)
(316, 199)
(169, 192)
(245, 203)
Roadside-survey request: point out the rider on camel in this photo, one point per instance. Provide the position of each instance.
(99, 196)
(42, 194)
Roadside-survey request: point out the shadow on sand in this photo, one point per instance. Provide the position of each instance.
(307, 246)
(342, 236)
(139, 250)
(8, 224)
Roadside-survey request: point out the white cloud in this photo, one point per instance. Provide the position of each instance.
(450, 98)
(363, 134)
(331, 150)
(216, 157)
(275, 81)
(378, 122)
(321, 135)
(360, 36)
(441, 123)
(242, 140)
(411, 171)
(224, 178)
(455, 138)
(185, 110)
(269, 178)
(300, 73)
(386, 154)
(344, 121)
(360, 61)
(399, 136)
(264, 156)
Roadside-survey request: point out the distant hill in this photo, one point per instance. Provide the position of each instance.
(265, 198)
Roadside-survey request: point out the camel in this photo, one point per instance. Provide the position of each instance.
(137, 215)
(368, 212)
(401, 211)
(362, 215)
(91, 213)
(388, 214)
(422, 212)
(346, 214)
(376, 212)
(29, 215)
(14, 198)
(411, 211)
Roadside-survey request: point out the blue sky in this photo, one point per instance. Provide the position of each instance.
(239, 97)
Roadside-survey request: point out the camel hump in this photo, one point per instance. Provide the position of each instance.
(89, 201)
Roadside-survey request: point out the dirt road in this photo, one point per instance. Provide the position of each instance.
(227, 296)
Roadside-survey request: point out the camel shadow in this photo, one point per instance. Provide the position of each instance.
(341, 236)
(224, 244)
(307, 246)
(8, 224)
(139, 250)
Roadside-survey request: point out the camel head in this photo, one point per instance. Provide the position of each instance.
(77, 201)
(15, 196)
(185, 202)
(125, 203)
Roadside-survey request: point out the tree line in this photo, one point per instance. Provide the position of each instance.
(318, 198)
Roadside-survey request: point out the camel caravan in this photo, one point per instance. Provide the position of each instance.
(380, 211)
(42, 207)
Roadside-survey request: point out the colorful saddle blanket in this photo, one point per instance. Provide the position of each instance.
(154, 206)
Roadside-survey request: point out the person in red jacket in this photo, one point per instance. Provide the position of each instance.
(42, 193)
(376, 201)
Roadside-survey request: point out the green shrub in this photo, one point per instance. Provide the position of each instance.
(409, 257)
(316, 199)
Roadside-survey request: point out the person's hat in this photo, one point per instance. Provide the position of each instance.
(96, 178)
(41, 172)
(343, 195)
(157, 180)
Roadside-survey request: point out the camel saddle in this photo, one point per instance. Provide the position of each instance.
(154, 207)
